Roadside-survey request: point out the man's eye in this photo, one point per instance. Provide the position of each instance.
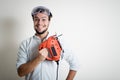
(36, 19)
(43, 19)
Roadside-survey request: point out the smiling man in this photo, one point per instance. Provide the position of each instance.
(32, 62)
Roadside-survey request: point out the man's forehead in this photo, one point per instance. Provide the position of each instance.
(42, 15)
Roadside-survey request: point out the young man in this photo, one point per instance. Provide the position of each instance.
(31, 61)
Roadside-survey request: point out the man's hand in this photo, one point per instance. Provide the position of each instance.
(43, 53)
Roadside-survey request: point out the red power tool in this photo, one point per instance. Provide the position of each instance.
(53, 46)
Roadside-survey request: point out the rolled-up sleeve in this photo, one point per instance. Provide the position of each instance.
(22, 54)
(69, 55)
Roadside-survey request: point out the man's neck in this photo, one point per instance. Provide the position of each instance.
(43, 36)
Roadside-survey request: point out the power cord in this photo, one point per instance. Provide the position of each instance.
(57, 69)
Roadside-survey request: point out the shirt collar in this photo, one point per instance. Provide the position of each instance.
(49, 34)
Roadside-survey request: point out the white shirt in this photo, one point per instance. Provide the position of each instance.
(46, 70)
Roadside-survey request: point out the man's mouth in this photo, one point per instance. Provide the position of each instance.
(40, 32)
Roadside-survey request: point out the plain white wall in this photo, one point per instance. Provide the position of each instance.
(92, 27)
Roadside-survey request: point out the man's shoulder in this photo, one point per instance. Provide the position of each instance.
(27, 40)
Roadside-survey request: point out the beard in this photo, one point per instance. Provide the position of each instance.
(40, 32)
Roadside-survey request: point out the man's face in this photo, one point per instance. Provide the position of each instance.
(41, 23)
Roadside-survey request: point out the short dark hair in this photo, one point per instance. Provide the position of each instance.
(41, 9)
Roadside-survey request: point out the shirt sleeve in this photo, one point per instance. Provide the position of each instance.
(22, 54)
(69, 55)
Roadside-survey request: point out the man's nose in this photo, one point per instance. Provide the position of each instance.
(40, 22)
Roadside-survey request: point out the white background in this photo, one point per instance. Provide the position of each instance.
(92, 27)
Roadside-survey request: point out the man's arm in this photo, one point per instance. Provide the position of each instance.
(30, 66)
(71, 75)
